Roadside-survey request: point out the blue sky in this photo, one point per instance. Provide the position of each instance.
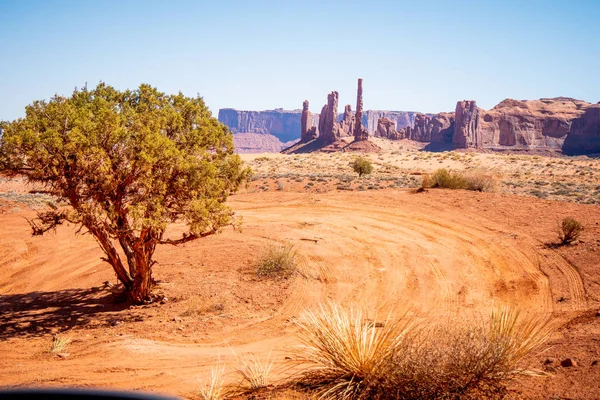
(413, 55)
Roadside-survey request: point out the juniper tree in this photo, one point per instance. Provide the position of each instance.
(125, 164)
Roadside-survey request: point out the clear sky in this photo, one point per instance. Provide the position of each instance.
(255, 55)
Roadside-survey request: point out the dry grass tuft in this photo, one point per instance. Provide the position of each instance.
(278, 261)
(347, 357)
(60, 344)
(255, 373)
(213, 389)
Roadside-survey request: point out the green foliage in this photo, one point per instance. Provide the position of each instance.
(362, 166)
(277, 261)
(569, 230)
(128, 163)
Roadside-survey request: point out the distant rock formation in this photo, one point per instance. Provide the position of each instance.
(559, 123)
(401, 118)
(307, 131)
(466, 125)
(584, 136)
(386, 128)
(359, 132)
(437, 128)
(347, 122)
(555, 124)
(283, 124)
(329, 129)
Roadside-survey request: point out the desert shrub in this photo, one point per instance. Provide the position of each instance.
(569, 230)
(362, 166)
(472, 180)
(262, 158)
(350, 357)
(277, 261)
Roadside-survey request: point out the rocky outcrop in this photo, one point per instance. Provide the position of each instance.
(401, 118)
(555, 124)
(544, 124)
(386, 128)
(347, 122)
(437, 128)
(584, 136)
(360, 133)
(283, 124)
(466, 125)
(329, 129)
(307, 131)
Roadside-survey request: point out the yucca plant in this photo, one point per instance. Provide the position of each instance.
(346, 356)
(516, 337)
(342, 350)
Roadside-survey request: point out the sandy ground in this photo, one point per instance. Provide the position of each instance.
(440, 252)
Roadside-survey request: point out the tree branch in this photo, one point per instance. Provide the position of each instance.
(49, 220)
(187, 238)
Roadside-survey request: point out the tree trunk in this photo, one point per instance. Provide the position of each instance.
(142, 250)
(142, 283)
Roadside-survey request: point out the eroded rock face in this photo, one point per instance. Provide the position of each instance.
(541, 124)
(584, 137)
(347, 122)
(438, 128)
(360, 133)
(283, 124)
(329, 129)
(307, 131)
(386, 128)
(466, 125)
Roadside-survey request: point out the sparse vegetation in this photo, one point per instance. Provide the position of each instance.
(472, 180)
(569, 230)
(348, 356)
(213, 389)
(278, 261)
(255, 373)
(362, 166)
(60, 344)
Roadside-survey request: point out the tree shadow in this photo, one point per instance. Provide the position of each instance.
(41, 313)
